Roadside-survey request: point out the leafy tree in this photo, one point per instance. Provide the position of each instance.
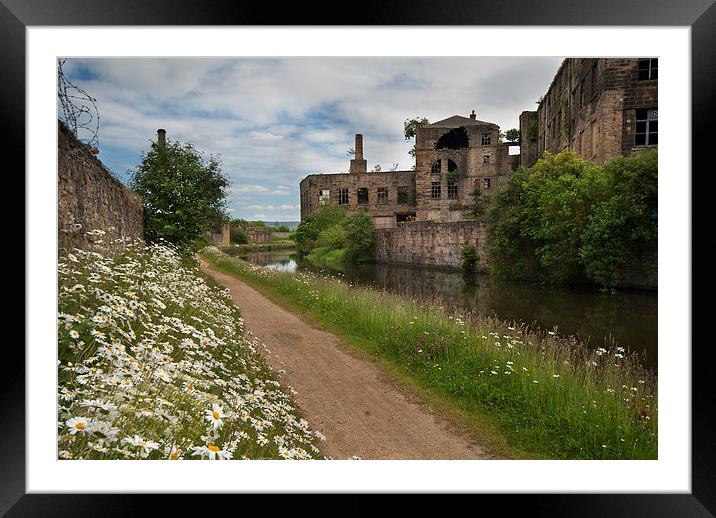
(409, 130)
(359, 236)
(513, 135)
(306, 235)
(624, 226)
(183, 194)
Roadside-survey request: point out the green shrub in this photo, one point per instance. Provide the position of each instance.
(239, 236)
(469, 258)
(359, 236)
(332, 237)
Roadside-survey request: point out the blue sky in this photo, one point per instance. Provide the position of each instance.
(275, 120)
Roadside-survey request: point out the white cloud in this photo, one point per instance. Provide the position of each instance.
(274, 121)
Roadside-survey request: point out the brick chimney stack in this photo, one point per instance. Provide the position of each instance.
(359, 164)
(473, 115)
(161, 138)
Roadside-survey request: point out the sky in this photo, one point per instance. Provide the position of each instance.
(273, 121)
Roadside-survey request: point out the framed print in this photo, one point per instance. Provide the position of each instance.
(274, 108)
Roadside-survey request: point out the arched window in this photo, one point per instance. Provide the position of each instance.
(436, 167)
(452, 166)
(454, 139)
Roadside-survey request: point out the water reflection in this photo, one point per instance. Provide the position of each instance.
(629, 318)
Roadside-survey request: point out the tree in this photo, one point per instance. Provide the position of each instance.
(184, 194)
(623, 227)
(359, 236)
(309, 230)
(410, 129)
(512, 135)
(377, 168)
(351, 152)
(477, 206)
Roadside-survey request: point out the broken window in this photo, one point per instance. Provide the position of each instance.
(403, 194)
(435, 190)
(486, 139)
(435, 169)
(382, 195)
(342, 196)
(362, 195)
(486, 183)
(485, 159)
(324, 196)
(453, 139)
(452, 189)
(452, 166)
(648, 69)
(646, 133)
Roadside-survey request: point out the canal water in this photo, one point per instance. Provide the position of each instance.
(626, 318)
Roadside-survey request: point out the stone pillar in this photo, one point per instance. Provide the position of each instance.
(161, 138)
(359, 164)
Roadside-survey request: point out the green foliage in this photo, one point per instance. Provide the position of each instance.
(332, 238)
(409, 129)
(308, 231)
(513, 135)
(625, 225)
(568, 219)
(306, 235)
(281, 228)
(468, 257)
(477, 206)
(239, 236)
(183, 194)
(359, 236)
(328, 215)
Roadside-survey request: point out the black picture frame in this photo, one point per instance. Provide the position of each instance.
(700, 15)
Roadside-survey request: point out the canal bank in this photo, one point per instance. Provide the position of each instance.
(547, 395)
(625, 318)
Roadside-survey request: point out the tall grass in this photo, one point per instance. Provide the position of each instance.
(548, 395)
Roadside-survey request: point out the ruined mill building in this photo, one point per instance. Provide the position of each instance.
(600, 107)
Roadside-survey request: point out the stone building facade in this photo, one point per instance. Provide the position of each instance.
(388, 196)
(453, 156)
(600, 107)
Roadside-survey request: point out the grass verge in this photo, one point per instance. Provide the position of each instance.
(326, 258)
(549, 396)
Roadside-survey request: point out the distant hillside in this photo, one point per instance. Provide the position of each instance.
(290, 224)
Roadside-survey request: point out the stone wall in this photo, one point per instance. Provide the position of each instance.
(90, 198)
(642, 273)
(430, 243)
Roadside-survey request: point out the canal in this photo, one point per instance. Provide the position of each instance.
(626, 318)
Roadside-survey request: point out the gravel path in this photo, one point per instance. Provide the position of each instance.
(344, 397)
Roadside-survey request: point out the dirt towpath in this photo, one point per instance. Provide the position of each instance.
(344, 397)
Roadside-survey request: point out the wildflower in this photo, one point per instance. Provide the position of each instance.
(211, 452)
(214, 416)
(145, 446)
(79, 424)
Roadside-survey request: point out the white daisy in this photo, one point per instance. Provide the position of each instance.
(214, 416)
